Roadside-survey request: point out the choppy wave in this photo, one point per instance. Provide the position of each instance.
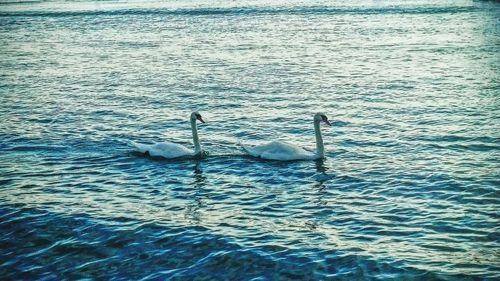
(67, 246)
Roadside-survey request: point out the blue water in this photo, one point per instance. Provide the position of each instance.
(409, 189)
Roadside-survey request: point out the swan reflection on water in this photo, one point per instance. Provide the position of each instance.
(197, 200)
(321, 177)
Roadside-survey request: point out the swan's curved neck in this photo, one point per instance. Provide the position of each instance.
(196, 140)
(320, 148)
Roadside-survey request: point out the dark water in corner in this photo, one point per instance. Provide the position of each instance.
(409, 189)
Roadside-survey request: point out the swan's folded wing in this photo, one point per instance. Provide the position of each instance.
(170, 150)
(258, 150)
(288, 155)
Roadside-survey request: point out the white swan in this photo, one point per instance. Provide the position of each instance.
(174, 150)
(278, 150)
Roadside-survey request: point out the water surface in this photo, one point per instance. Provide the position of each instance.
(409, 188)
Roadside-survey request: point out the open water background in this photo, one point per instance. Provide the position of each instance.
(409, 189)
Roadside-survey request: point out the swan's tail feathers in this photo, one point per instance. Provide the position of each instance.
(248, 150)
(243, 147)
(142, 148)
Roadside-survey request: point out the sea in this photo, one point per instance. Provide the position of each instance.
(409, 188)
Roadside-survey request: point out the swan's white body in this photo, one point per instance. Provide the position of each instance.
(173, 150)
(279, 150)
(164, 149)
(283, 151)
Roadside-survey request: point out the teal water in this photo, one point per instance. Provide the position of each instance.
(409, 189)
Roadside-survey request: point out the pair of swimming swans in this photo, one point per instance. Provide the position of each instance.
(275, 150)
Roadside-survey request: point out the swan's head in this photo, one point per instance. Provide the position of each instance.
(322, 117)
(196, 116)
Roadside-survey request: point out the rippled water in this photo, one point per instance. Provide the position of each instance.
(409, 188)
